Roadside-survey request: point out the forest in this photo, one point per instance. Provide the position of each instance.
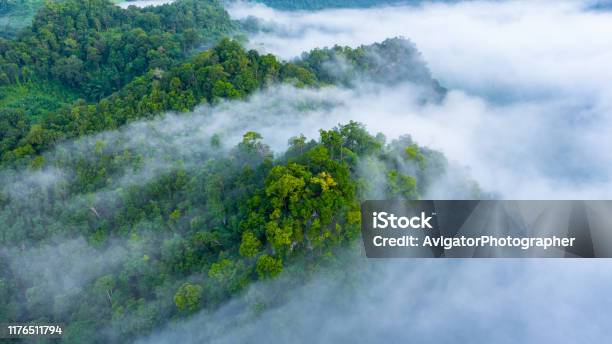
(16, 15)
(89, 175)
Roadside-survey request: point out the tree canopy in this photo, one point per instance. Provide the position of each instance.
(95, 47)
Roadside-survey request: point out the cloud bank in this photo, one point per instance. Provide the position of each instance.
(421, 301)
(529, 108)
(528, 111)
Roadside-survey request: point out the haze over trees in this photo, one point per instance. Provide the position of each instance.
(191, 237)
(116, 239)
(16, 14)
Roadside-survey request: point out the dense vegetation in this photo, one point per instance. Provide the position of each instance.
(392, 61)
(113, 227)
(95, 47)
(16, 15)
(193, 236)
(88, 50)
(35, 100)
(225, 71)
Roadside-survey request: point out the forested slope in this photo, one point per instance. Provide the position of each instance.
(225, 71)
(95, 47)
(16, 15)
(391, 62)
(187, 238)
(117, 217)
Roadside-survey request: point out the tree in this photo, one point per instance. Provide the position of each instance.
(188, 297)
(413, 153)
(401, 185)
(268, 267)
(250, 245)
(69, 70)
(105, 286)
(298, 143)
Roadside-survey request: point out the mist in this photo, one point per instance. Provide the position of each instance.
(422, 301)
(59, 270)
(277, 113)
(485, 47)
(527, 116)
(529, 106)
(527, 112)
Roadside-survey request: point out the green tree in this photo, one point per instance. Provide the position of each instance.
(250, 245)
(268, 267)
(188, 297)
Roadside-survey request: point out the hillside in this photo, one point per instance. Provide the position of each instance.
(191, 235)
(125, 201)
(16, 15)
(226, 71)
(164, 217)
(95, 47)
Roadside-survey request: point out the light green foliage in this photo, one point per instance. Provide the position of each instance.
(229, 221)
(37, 100)
(414, 154)
(309, 204)
(232, 218)
(179, 89)
(402, 185)
(250, 245)
(97, 57)
(268, 267)
(188, 297)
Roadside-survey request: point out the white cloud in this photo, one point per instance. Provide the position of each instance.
(472, 44)
(421, 301)
(530, 108)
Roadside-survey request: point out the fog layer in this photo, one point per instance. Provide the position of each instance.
(529, 108)
(420, 301)
(528, 112)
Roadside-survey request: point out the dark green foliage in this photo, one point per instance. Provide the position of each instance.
(95, 47)
(162, 233)
(37, 99)
(16, 14)
(392, 61)
(225, 71)
(192, 236)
